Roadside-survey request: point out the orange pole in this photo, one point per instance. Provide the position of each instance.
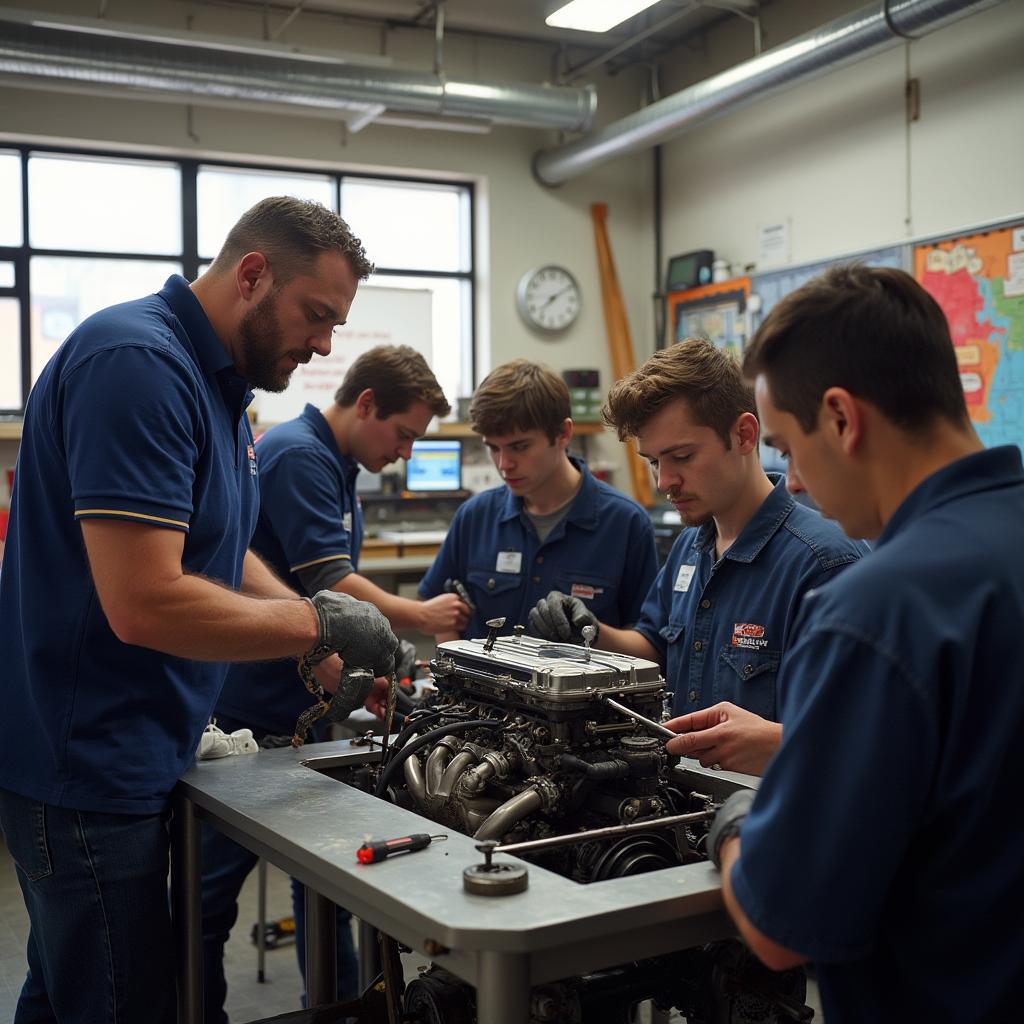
(620, 344)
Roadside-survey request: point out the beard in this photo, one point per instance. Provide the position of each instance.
(260, 336)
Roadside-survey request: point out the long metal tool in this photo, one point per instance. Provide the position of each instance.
(658, 730)
(604, 833)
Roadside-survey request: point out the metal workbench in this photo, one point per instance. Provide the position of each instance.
(281, 805)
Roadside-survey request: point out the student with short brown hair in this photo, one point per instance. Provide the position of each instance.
(721, 612)
(551, 526)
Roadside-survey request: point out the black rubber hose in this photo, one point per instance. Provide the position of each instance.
(603, 770)
(421, 741)
(412, 725)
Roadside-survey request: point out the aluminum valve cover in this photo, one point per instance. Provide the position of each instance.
(546, 671)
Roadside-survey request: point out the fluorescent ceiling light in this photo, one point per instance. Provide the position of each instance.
(596, 15)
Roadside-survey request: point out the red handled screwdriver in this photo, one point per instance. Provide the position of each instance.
(372, 853)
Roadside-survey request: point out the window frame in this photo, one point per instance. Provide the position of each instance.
(189, 258)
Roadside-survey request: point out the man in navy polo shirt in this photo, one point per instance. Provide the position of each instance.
(309, 532)
(885, 842)
(551, 526)
(721, 612)
(127, 584)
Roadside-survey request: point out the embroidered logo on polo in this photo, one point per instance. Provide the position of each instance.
(346, 522)
(251, 453)
(587, 593)
(748, 634)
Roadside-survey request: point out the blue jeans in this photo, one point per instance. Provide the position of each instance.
(95, 885)
(226, 865)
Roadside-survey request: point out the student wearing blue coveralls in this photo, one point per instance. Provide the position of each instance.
(310, 531)
(127, 582)
(552, 525)
(885, 843)
(721, 612)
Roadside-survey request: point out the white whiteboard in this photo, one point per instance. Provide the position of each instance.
(379, 316)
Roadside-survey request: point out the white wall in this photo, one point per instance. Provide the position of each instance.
(835, 155)
(522, 224)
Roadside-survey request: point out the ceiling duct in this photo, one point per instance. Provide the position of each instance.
(94, 55)
(865, 32)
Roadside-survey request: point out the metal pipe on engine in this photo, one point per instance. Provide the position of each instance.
(511, 811)
(414, 780)
(458, 764)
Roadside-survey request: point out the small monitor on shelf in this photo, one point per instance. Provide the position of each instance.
(434, 466)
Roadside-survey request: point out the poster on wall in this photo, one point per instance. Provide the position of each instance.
(978, 280)
(379, 316)
(713, 311)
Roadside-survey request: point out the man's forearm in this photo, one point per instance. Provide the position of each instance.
(401, 612)
(625, 641)
(196, 618)
(259, 580)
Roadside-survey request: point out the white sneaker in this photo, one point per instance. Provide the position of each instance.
(216, 743)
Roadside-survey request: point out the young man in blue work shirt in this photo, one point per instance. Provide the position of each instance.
(885, 843)
(721, 612)
(309, 532)
(552, 525)
(127, 584)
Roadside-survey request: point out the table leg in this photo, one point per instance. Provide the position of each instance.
(186, 909)
(503, 988)
(321, 954)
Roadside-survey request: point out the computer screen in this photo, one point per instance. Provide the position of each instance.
(434, 466)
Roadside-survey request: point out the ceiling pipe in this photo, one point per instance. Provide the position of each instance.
(863, 33)
(54, 51)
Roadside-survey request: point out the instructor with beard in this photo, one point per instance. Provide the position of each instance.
(128, 586)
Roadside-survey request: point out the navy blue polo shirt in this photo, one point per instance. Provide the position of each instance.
(720, 627)
(602, 552)
(887, 842)
(309, 514)
(140, 417)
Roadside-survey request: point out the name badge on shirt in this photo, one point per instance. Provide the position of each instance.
(683, 578)
(346, 522)
(509, 561)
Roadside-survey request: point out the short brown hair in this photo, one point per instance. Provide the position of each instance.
(520, 395)
(708, 378)
(398, 376)
(871, 330)
(291, 233)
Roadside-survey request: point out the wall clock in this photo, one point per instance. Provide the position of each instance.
(548, 298)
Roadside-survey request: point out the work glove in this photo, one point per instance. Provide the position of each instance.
(405, 660)
(356, 630)
(561, 617)
(727, 822)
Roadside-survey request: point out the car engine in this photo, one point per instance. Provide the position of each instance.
(525, 740)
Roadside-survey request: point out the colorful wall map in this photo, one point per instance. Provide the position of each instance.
(978, 280)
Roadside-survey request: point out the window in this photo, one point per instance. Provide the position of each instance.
(104, 228)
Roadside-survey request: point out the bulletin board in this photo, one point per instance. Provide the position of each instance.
(379, 316)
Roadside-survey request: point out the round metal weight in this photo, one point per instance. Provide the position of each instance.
(497, 880)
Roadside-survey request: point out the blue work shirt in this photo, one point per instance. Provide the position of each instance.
(309, 514)
(886, 842)
(720, 627)
(140, 417)
(602, 552)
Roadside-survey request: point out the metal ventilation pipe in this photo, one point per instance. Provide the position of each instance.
(54, 52)
(865, 32)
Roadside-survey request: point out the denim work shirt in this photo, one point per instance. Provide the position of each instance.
(720, 627)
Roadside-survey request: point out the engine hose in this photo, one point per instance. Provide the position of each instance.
(405, 702)
(421, 741)
(412, 725)
(603, 770)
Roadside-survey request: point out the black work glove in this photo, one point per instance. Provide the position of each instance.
(405, 660)
(727, 823)
(561, 617)
(356, 630)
